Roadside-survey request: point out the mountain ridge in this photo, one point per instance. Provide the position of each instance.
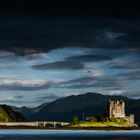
(63, 109)
(89, 104)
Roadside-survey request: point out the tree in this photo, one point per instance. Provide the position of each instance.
(75, 120)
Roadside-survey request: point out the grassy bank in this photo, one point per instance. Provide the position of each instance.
(102, 124)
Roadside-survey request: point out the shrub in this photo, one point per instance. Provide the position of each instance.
(75, 120)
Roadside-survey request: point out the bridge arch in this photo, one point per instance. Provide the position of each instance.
(58, 125)
(49, 125)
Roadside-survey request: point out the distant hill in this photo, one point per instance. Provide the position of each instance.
(7, 114)
(88, 104)
(26, 111)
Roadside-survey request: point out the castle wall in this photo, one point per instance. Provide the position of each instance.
(131, 118)
(116, 109)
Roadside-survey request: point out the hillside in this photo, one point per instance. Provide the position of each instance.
(8, 115)
(88, 104)
(26, 111)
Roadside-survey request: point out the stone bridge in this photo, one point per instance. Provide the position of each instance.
(34, 124)
(54, 124)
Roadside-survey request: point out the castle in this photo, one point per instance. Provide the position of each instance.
(117, 110)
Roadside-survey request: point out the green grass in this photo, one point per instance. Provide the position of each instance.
(102, 124)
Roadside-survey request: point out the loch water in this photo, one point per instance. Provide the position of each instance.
(69, 135)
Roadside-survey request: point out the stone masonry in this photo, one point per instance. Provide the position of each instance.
(116, 109)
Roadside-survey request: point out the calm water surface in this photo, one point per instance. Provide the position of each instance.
(68, 135)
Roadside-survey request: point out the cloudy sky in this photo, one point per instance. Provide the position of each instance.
(47, 56)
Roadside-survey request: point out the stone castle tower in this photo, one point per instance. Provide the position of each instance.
(116, 109)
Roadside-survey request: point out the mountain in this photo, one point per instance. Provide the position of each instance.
(37, 109)
(89, 104)
(26, 111)
(8, 114)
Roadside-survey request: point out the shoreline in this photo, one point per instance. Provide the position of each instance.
(71, 128)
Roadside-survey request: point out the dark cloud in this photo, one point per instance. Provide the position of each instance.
(115, 8)
(72, 63)
(88, 58)
(27, 34)
(25, 85)
(23, 51)
(19, 97)
(125, 65)
(97, 82)
(133, 75)
(61, 65)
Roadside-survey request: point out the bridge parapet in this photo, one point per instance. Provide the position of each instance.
(33, 124)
